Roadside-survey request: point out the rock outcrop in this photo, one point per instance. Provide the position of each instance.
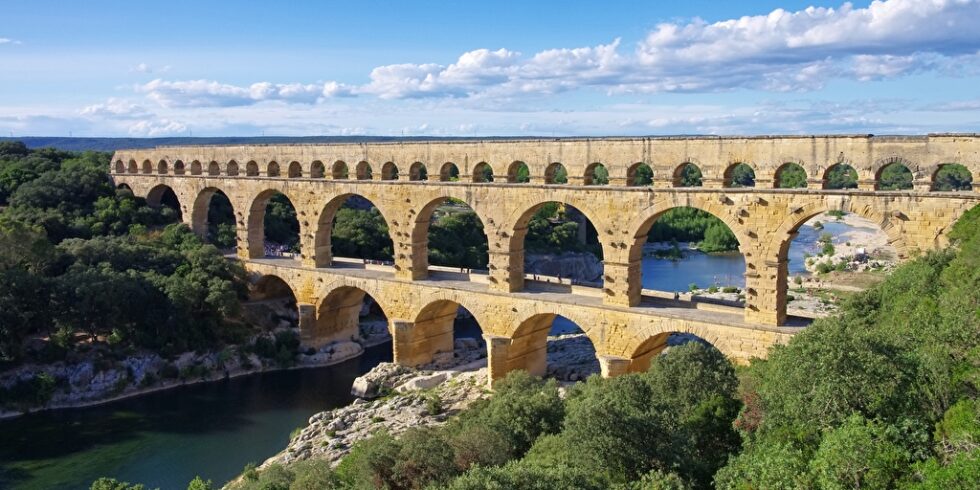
(580, 266)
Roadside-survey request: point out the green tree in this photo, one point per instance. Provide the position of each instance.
(791, 176)
(361, 233)
(894, 177)
(643, 175)
(113, 484)
(952, 177)
(841, 176)
(690, 176)
(859, 454)
(742, 175)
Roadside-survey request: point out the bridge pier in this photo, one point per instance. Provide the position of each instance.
(621, 282)
(611, 366)
(498, 358)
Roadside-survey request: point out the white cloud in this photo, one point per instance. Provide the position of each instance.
(209, 93)
(145, 68)
(117, 108)
(157, 127)
(6, 40)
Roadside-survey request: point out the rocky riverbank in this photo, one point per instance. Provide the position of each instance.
(580, 266)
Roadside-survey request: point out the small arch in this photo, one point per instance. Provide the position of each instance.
(656, 344)
(214, 168)
(364, 170)
(133, 168)
(162, 167)
(952, 177)
(687, 174)
(338, 316)
(483, 172)
(232, 169)
(272, 169)
(418, 172)
(840, 176)
(295, 170)
(539, 338)
(555, 173)
(120, 167)
(317, 170)
(894, 176)
(163, 195)
(389, 171)
(639, 175)
(124, 189)
(178, 168)
(449, 172)
(195, 168)
(518, 173)
(790, 175)
(271, 288)
(596, 174)
(252, 169)
(739, 175)
(147, 167)
(339, 170)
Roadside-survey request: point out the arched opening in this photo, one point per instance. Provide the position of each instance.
(518, 173)
(120, 167)
(339, 170)
(214, 168)
(124, 190)
(147, 167)
(840, 176)
(232, 169)
(790, 175)
(252, 169)
(553, 346)
(214, 219)
(272, 219)
(163, 196)
(389, 171)
(449, 172)
(295, 170)
(639, 174)
(483, 172)
(950, 177)
(560, 247)
(162, 167)
(346, 314)
(444, 334)
(133, 167)
(351, 227)
(452, 234)
(689, 251)
(178, 168)
(739, 175)
(895, 176)
(687, 175)
(272, 169)
(317, 170)
(418, 172)
(272, 305)
(555, 174)
(596, 174)
(195, 168)
(659, 344)
(364, 171)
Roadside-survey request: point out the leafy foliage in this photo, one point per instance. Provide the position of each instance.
(791, 176)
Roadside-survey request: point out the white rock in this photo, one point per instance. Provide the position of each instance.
(423, 382)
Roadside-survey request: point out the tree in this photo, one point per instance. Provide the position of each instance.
(742, 176)
(643, 175)
(791, 176)
(841, 176)
(952, 177)
(361, 233)
(894, 177)
(859, 454)
(113, 484)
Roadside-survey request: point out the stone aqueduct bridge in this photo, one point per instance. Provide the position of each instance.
(626, 325)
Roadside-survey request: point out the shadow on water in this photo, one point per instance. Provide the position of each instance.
(164, 439)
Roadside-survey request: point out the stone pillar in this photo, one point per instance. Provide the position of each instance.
(712, 183)
(498, 358)
(307, 326)
(922, 185)
(867, 184)
(815, 183)
(506, 270)
(765, 293)
(255, 242)
(662, 183)
(764, 183)
(537, 179)
(618, 181)
(402, 343)
(976, 185)
(621, 283)
(611, 366)
(576, 179)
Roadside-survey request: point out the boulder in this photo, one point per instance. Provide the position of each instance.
(423, 382)
(364, 388)
(465, 343)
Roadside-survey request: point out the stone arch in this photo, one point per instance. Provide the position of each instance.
(162, 167)
(125, 188)
(147, 167)
(252, 169)
(688, 174)
(449, 172)
(269, 286)
(639, 174)
(518, 173)
(317, 170)
(482, 172)
(272, 169)
(337, 317)
(420, 232)
(133, 168)
(790, 170)
(323, 234)
(201, 208)
(432, 330)
(295, 170)
(529, 344)
(897, 168)
(256, 221)
(596, 174)
(849, 183)
(739, 174)
(417, 172)
(555, 173)
(120, 167)
(214, 168)
(389, 171)
(364, 170)
(339, 170)
(160, 194)
(178, 168)
(231, 169)
(651, 342)
(960, 178)
(195, 168)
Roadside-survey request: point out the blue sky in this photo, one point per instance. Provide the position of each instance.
(567, 68)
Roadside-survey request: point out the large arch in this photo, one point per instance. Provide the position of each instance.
(200, 211)
(417, 172)
(257, 225)
(482, 172)
(518, 173)
(894, 175)
(433, 332)
(338, 317)
(531, 349)
(654, 344)
(421, 228)
(269, 287)
(555, 173)
(951, 177)
(449, 172)
(639, 174)
(389, 171)
(164, 195)
(323, 235)
(840, 175)
(790, 175)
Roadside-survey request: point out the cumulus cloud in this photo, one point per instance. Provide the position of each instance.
(117, 108)
(157, 127)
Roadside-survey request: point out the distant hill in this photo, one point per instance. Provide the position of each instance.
(112, 144)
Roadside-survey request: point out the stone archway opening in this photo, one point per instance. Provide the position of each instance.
(660, 344)
(790, 175)
(344, 315)
(482, 172)
(551, 345)
(418, 172)
(352, 230)
(195, 168)
(120, 167)
(214, 169)
(687, 174)
(273, 229)
(518, 173)
(317, 170)
(162, 167)
(952, 177)
(231, 169)
(739, 175)
(596, 174)
(164, 198)
(639, 175)
(252, 169)
(555, 173)
(295, 170)
(444, 334)
(449, 172)
(339, 170)
(220, 225)
(124, 190)
(895, 176)
(147, 167)
(272, 169)
(133, 168)
(840, 176)
(178, 168)
(364, 171)
(389, 171)
(272, 305)
(559, 247)
(452, 236)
